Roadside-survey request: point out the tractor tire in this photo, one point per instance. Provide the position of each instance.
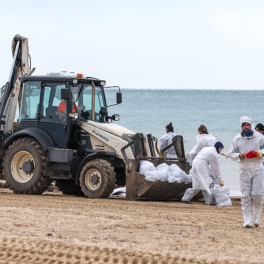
(69, 188)
(97, 179)
(24, 167)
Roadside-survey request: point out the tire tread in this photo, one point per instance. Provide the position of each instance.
(110, 179)
(43, 183)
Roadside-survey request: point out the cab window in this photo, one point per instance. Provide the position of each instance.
(54, 108)
(82, 95)
(30, 106)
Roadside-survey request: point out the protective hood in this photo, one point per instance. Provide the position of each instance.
(218, 145)
(244, 119)
(248, 133)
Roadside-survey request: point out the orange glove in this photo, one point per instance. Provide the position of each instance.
(251, 154)
(259, 154)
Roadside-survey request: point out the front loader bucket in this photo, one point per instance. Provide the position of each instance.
(138, 188)
(136, 185)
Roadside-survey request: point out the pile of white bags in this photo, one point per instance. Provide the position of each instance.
(146, 166)
(163, 172)
(176, 174)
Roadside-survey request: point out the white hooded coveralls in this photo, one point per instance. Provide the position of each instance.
(201, 179)
(251, 173)
(166, 140)
(204, 140)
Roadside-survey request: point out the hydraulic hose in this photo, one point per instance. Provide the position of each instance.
(157, 149)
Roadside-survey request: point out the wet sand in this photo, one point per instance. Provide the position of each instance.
(53, 228)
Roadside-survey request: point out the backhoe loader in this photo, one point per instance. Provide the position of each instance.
(63, 133)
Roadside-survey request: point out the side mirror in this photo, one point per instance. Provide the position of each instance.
(118, 98)
(65, 94)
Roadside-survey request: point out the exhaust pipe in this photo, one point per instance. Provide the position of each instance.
(93, 101)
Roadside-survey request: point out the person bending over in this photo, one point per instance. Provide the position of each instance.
(204, 139)
(201, 180)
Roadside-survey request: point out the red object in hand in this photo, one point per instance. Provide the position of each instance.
(251, 154)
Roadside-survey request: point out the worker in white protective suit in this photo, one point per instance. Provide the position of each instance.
(247, 148)
(204, 139)
(166, 140)
(201, 179)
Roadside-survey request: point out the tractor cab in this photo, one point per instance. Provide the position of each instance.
(56, 102)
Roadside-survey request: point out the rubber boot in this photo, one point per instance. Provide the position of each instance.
(257, 208)
(246, 205)
(248, 223)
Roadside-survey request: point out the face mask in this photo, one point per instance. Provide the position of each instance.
(248, 133)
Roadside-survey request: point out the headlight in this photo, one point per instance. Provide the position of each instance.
(115, 117)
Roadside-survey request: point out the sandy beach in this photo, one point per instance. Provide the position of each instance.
(53, 228)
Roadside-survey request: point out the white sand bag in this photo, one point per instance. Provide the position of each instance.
(119, 192)
(161, 175)
(162, 166)
(176, 172)
(146, 166)
(171, 179)
(221, 195)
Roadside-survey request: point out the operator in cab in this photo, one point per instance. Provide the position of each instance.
(62, 109)
(166, 140)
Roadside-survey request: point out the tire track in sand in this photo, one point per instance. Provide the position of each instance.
(15, 250)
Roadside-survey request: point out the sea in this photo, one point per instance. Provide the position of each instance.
(148, 111)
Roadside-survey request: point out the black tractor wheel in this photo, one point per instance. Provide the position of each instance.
(24, 167)
(69, 188)
(97, 179)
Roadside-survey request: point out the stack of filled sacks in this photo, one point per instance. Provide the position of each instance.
(163, 172)
(178, 175)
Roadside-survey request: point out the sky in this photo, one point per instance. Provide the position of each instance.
(166, 44)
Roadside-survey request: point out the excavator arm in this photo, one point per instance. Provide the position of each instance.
(10, 93)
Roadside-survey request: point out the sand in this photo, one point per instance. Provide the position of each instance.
(54, 228)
